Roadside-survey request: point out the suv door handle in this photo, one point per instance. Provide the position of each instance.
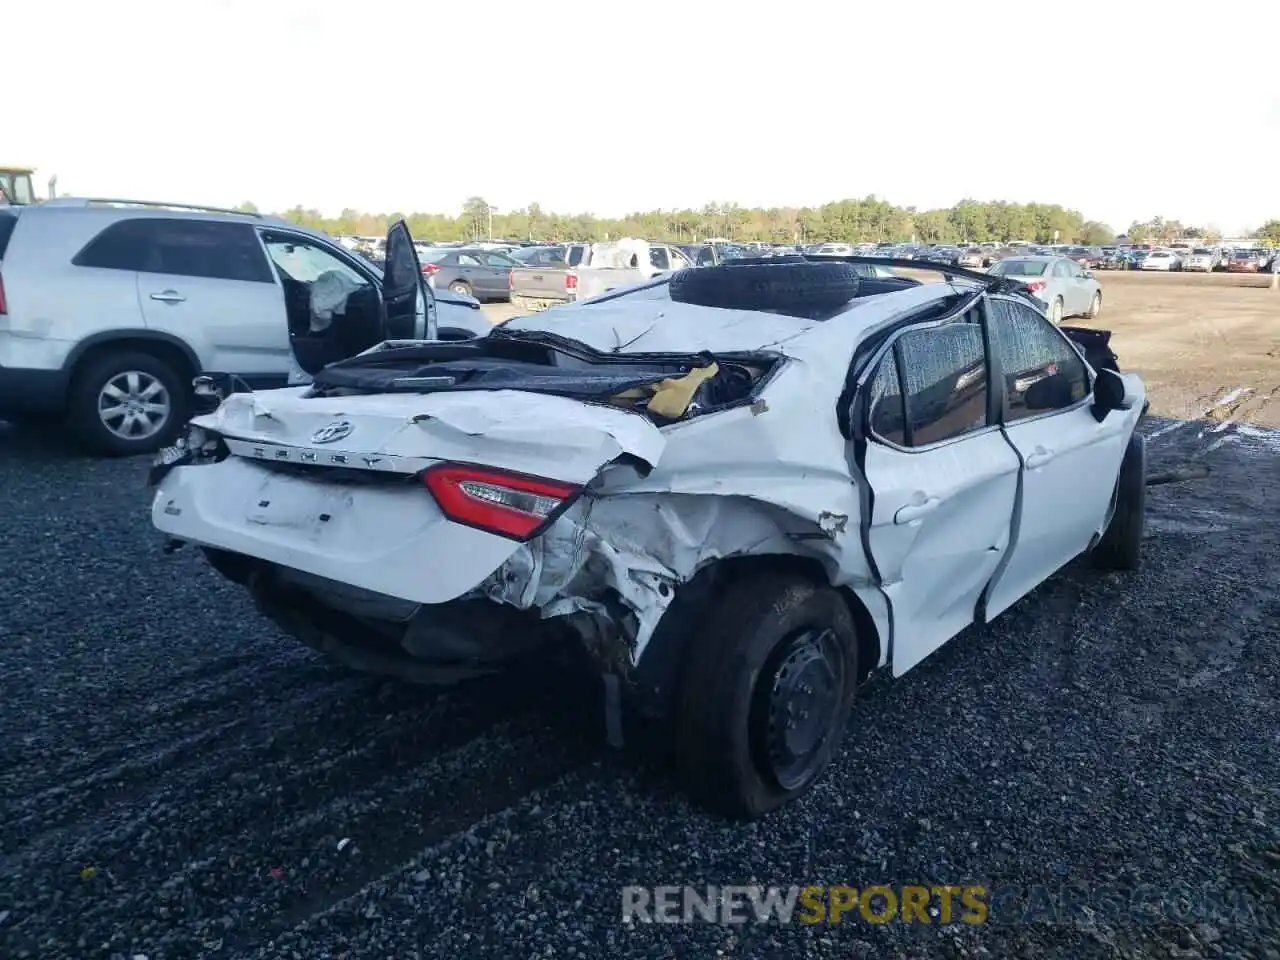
(914, 511)
(1039, 458)
(169, 296)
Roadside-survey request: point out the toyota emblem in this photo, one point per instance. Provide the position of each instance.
(331, 432)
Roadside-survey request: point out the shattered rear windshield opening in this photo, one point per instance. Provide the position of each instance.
(663, 387)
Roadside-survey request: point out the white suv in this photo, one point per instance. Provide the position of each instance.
(108, 310)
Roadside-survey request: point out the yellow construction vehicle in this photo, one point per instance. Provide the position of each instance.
(16, 187)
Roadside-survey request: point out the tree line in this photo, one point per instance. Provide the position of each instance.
(868, 220)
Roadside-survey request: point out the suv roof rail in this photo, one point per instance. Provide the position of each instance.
(157, 204)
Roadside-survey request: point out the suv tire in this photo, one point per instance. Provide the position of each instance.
(155, 384)
(773, 671)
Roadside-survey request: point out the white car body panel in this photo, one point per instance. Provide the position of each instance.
(1072, 462)
(774, 477)
(389, 540)
(931, 507)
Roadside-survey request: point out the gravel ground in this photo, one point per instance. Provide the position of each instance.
(179, 780)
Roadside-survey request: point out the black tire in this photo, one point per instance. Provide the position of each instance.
(462, 287)
(1095, 306)
(1121, 545)
(82, 403)
(725, 721)
(802, 286)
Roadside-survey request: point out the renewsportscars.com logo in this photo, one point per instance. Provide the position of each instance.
(942, 904)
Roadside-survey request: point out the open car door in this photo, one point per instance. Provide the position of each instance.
(408, 304)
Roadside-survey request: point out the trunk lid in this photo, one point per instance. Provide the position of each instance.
(416, 497)
(539, 434)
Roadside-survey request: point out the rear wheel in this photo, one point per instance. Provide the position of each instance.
(1095, 306)
(1055, 311)
(766, 693)
(460, 286)
(127, 403)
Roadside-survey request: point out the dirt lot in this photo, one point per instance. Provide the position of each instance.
(179, 780)
(1196, 337)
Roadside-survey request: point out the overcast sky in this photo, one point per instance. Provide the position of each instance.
(610, 106)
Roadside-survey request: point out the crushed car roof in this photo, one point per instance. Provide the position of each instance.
(647, 320)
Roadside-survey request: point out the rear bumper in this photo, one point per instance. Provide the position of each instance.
(436, 644)
(32, 391)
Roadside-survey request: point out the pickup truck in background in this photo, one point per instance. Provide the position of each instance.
(590, 269)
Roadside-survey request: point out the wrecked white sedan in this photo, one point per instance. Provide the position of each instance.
(739, 490)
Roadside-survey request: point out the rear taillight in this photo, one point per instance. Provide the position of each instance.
(570, 283)
(1035, 286)
(4, 307)
(511, 505)
(430, 268)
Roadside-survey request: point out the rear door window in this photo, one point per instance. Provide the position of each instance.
(931, 387)
(575, 255)
(190, 248)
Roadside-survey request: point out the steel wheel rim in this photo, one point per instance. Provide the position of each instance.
(134, 405)
(795, 707)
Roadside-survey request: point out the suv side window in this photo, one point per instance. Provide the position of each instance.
(576, 253)
(189, 248)
(1042, 370)
(658, 258)
(931, 387)
(7, 222)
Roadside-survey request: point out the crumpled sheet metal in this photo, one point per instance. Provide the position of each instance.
(531, 433)
(643, 547)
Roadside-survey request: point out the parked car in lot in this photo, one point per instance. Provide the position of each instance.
(1058, 282)
(972, 257)
(1160, 260)
(108, 310)
(1086, 257)
(868, 466)
(591, 269)
(1244, 261)
(1114, 260)
(1201, 260)
(470, 271)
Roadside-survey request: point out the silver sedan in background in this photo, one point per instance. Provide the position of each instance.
(1059, 283)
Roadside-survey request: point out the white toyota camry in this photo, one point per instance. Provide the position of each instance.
(738, 490)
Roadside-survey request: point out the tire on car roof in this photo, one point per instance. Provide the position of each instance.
(767, 286)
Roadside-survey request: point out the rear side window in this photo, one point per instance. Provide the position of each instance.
(1042, 370)
(189, 248)
(7, 222)
(931, 387)
(575, 255)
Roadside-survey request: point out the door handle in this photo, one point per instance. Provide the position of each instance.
(914, 511)
(169, 296)
(1039, 458)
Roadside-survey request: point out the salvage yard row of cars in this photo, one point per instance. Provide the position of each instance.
(733, 492)
(534, 276)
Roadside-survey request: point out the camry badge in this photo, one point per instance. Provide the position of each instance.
(332, 432)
